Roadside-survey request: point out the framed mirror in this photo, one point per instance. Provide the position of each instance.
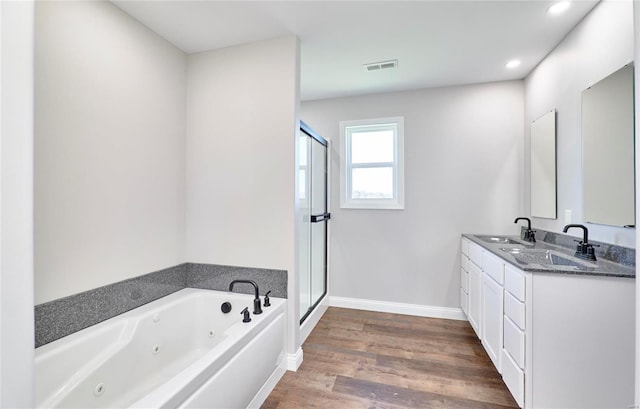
(608, 171)
(543, 166)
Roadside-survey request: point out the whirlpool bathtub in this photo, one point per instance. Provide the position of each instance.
(178, 351)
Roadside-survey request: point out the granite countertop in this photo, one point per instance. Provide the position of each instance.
(550, 254)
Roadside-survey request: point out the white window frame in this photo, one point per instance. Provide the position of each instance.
(397, 201)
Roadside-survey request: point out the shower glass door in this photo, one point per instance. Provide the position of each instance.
(315, 219)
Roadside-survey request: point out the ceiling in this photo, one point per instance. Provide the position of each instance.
(436, 43)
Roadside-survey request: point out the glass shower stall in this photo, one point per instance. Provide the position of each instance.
(314, 214)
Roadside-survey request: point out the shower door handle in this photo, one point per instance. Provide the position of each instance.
(320, 217)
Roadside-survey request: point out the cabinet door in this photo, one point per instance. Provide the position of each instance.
(475, 296)
(492, 316)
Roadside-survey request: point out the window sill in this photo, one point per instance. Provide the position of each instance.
(372, 206)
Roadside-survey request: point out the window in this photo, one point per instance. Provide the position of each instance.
(372, 173)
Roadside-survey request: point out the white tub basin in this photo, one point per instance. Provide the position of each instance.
(156, 355)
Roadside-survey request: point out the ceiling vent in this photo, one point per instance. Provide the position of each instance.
(382, 65)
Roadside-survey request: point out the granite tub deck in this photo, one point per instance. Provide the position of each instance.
(612, 261)
(59, 318)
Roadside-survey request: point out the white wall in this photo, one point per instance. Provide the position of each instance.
(16, 205)
(463, 150)
(109, 149)
(242, 103)
(598, 46)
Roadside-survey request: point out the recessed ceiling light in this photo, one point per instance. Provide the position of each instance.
(513, 64)
(559, 7)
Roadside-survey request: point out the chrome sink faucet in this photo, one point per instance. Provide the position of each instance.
(585, 250)
(529, 235)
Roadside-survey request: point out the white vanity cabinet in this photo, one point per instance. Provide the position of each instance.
(568, 340)
(559, 340)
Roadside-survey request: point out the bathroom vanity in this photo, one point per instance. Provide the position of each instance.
(560, 330)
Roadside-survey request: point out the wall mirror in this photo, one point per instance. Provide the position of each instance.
(543, 166)
(608, 171)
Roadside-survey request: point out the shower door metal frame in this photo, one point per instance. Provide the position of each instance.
(319, 218)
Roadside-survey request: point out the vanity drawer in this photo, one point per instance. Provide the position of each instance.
(475, 254)
(514, 282)
(514, 309)
(493, 266)
(464, 280)
(464, 262)
(464, 301)
(513, 377)
(465, 246)
(514, 341)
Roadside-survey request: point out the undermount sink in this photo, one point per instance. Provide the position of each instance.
(499, 240)
(546, 258)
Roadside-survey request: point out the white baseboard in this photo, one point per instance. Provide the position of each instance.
(399, 308)
(294, 360)
(268, 386)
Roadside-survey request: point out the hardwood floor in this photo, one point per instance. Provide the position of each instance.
(362, 359)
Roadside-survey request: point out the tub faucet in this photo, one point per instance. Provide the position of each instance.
(257, 308)
(245, 315)
(529, 235)
(584, 249)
